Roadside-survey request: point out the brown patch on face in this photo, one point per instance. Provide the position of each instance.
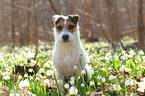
(59, 24)
(71, 22)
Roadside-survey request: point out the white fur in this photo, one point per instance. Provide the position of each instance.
(68, 54)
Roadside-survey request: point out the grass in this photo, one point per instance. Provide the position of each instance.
(110, 73)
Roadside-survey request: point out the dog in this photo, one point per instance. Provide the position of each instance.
(68, 50)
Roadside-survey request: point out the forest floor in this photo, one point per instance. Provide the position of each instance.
(119, 71)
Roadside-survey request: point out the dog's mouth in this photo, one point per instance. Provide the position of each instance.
(65, 40)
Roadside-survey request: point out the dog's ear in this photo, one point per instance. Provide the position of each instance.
(55, 18)
(74, 17)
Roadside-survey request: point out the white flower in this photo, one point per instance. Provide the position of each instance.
(91, 72)
(128, 70)
(103, 79)
(21, 64)
(72, 78)
(46, 81)
(47, 65)
(24, 83)
(111, 77)
(99, 77)
(141, 52)
(7, 77)
(122, 68)
(25, 75)
(59, 81)
(37, 78)
(73, 90)
(130, 82)
(41, 70)
(66, 86)
(49, 72)
(72, 82)
(132, 52)
(14, 94)
(103, 69)
(116, 87)
(143, 57)
(75, 67)
(82, 85)
(83, 72)
(30, 70)
(19, 77)
(79, 77)
(31, 55)
(12, 65)
(91, 83)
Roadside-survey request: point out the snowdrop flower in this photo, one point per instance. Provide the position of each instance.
(103, 79)
(130, 82)
(132, 52)
(14, 94)
(21, 64)
(83, 72)
(91, 83)
(99, 77)
(72, 78)
(122, 68)
(41, 70)
(103, 69)
(141, 52)
(12, 66)
(25, 75)
(49, 72)
(116, 87)
(30, 70)
(73, 90)
(111, 77)
(72, 82)
(31, 55)
(143, 57)
(46, 81)
(24, 83)
(59, 81)
(91, 72)
(37, 78)
(75, 67)
(88, 67)
(108, 54)
(47, 65)
(82, 85)
(7, 77)
(128, 70)
(66, 86)
(19, 77)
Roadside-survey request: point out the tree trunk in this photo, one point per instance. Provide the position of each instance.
(13, 27)
(36, 33)
(28, 23)
(141, 30)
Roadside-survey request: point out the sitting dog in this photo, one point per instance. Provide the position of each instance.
(68, 50)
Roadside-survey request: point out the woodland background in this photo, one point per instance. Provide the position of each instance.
(25, 22)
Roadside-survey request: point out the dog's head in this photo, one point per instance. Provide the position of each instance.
(65, 27)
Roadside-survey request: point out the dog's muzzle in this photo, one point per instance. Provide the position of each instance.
(65, 37)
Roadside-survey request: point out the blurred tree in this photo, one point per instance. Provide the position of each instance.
(113, 20)
(36, 33)
(13, 27)
(28, 22)
(141, 30)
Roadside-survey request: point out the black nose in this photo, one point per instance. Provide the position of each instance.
(65, 37)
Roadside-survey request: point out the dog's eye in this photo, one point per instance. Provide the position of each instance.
(59, 27)
(71, 26)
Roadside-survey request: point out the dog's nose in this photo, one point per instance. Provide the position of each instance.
(65, 37)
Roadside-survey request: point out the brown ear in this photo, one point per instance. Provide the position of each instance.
(75, 18)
